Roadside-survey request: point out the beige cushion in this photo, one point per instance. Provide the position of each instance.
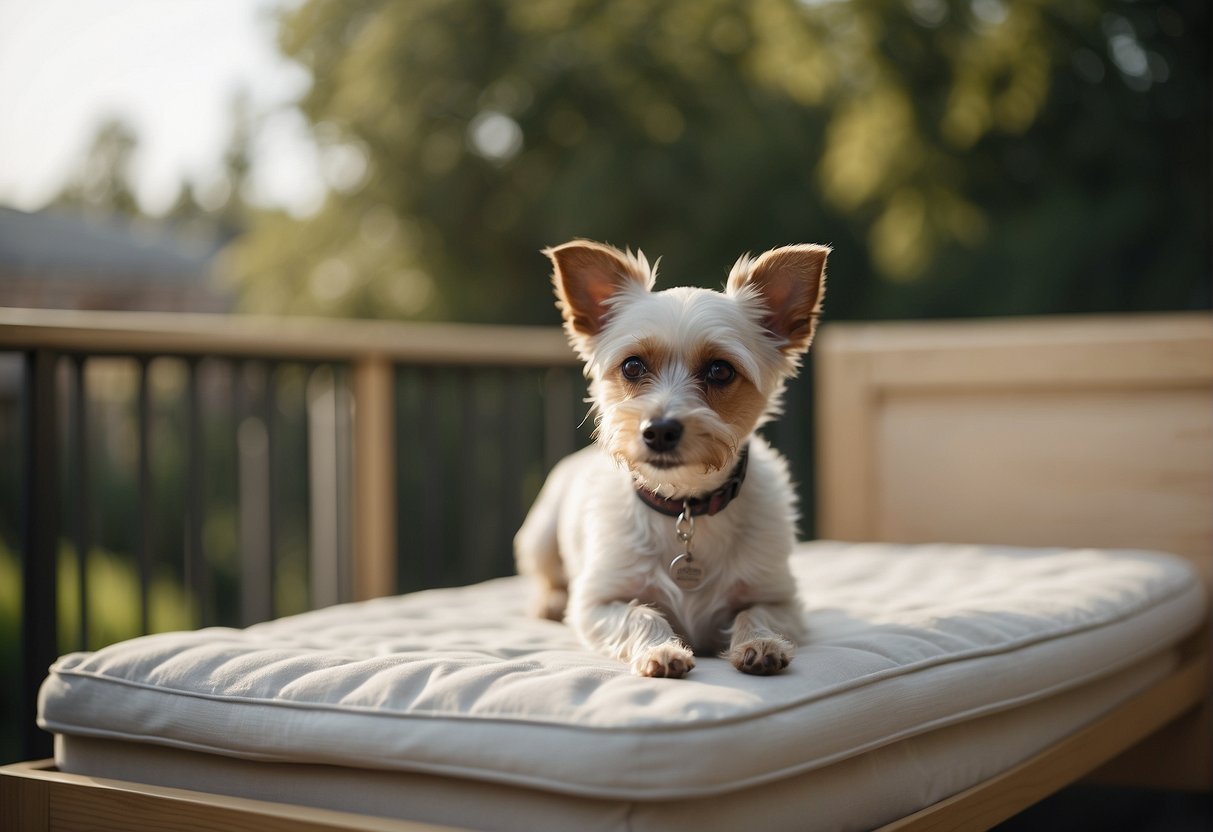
(460, 683)
(855, 794)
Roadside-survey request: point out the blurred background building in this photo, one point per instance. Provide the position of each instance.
(56, 260)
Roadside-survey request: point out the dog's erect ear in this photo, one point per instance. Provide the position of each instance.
(586, 276)
(791, 283)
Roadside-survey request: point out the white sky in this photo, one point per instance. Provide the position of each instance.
(170, 68)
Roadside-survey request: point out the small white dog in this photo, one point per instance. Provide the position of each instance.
(651, 539)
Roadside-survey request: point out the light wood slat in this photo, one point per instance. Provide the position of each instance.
(845, 453)
(374, 479)
(956, 431)
(1150, 350)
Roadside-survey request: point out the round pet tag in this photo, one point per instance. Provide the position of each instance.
(686, 573)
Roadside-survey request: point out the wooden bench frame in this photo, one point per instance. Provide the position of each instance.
(35, 796)
(952, 431)
(864, 372)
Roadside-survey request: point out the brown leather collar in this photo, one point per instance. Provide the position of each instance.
(707, 504)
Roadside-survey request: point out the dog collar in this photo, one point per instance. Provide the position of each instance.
(707, 504)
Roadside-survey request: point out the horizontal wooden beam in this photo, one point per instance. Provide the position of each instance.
(34, 797)
(1153, 350)
(292, 339)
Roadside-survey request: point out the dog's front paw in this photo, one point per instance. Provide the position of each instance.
(671, 660)
(762, 656)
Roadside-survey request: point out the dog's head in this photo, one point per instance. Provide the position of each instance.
(679, 379)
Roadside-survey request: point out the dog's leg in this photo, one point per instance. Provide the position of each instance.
(634, 633)
(537, 554)
(759, 645)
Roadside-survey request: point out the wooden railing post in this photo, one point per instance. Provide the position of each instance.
(374, 556)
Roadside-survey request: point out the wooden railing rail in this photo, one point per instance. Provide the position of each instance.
(299, 339)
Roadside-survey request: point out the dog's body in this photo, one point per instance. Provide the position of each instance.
(680, 380)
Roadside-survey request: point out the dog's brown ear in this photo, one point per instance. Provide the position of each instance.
(586, 276)
(791, 283)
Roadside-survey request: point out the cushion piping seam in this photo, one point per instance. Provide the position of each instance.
(585, 790)
(852, 685)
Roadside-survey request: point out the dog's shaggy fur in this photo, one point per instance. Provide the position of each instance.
(679, 380)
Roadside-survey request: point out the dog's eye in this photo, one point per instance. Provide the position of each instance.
(633, 368)
(720, 372)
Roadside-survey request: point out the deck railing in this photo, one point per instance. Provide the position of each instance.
(272, 464)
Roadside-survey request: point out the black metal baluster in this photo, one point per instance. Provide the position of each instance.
(801, 449)
(252, 470)
(300, 470)
(559, 421)
(143, 524)
(40, 536)
(269, 409)
(237, 399)
(436, 497)
(519, 448)
(468, 475)
(410, 518)
(490, 436)
(81, 493)
(196, 572)
(793, 437)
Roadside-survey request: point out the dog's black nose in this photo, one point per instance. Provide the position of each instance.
(661, 434)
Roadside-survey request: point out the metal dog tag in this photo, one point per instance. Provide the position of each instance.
(686, 573)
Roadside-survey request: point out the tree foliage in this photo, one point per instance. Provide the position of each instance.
(103, 182)
(963, 157)
(208, 212)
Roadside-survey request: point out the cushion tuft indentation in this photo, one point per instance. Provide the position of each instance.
(903, 639)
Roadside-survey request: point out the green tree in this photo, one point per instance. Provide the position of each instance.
(219, 209)
(237, 165)
(185, 208)
(102, 184)
(963, 157)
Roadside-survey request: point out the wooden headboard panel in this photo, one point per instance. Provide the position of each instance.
(1053, 432)
(1068, 431)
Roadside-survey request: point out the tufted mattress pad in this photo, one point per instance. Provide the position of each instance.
(460, 683)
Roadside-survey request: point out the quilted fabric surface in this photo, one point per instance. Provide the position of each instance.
(460, 682)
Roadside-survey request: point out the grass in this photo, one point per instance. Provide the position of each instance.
(113, 615)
